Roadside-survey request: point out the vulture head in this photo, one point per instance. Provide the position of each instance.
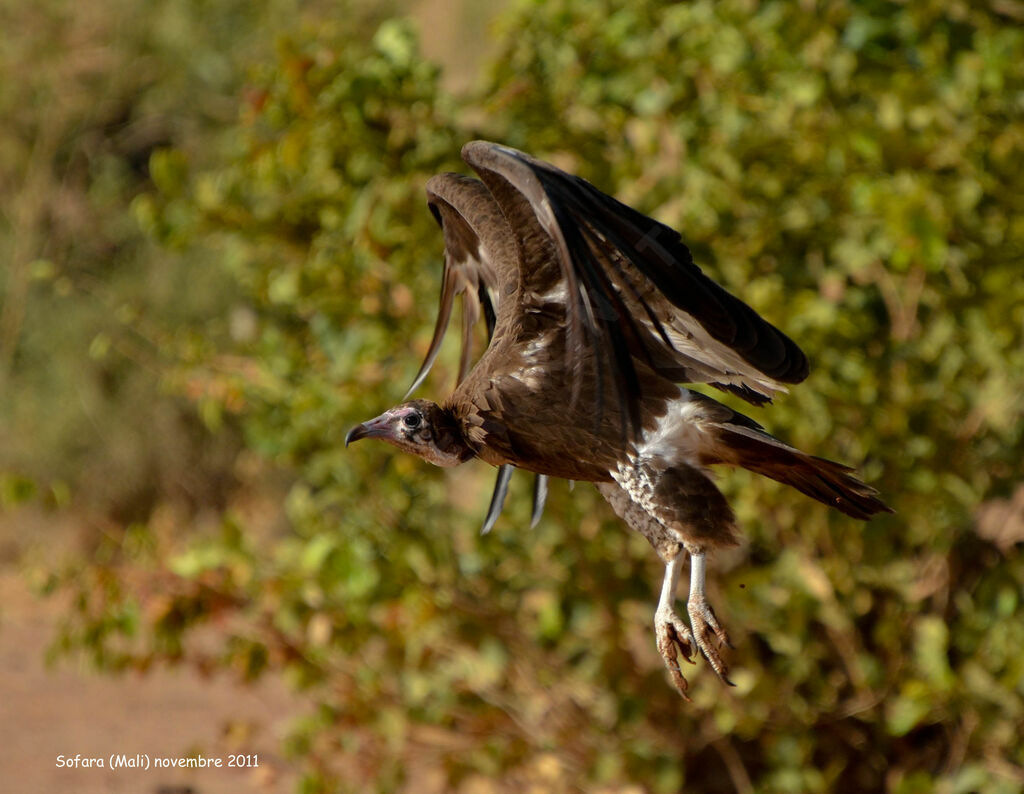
(420, 427)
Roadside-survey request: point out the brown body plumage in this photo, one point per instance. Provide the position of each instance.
(596, 314)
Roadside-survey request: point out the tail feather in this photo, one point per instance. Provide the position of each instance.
(827, 481)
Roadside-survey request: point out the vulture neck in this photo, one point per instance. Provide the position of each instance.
(450, 447)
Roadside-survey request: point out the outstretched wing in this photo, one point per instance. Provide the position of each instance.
(471, 268)
(630, 287)
(479, 265)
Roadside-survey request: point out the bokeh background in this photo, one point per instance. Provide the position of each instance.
(216, 258)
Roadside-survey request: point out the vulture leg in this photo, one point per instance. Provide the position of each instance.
(702, 616)
(672, 634)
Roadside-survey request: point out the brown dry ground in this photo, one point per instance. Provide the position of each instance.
(66, 708)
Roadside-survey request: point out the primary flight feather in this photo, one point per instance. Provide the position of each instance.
(596, 313)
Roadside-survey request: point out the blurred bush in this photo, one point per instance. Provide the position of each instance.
(91, 310)
(852, 170)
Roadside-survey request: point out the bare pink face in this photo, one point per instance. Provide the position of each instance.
(410, 427)
(400, 426)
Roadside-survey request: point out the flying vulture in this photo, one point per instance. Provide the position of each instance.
(596, 314)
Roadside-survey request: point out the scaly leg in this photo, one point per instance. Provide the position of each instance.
(702, 617)
(673, 635)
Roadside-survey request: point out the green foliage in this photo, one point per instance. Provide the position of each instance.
(853, 173)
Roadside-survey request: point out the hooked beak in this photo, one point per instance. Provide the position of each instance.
(374, 428)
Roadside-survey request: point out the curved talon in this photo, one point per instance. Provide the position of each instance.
(702, 617)
(673, 638)
(672, 634)
(700, 610)
(704, 623)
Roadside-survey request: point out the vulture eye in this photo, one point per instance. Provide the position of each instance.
(411, 420)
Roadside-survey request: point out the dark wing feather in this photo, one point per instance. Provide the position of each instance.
(540, 496)
(478, 260)
(470, 269)
(631, 287)
(498, 497)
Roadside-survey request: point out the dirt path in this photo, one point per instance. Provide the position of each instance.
(68, 710)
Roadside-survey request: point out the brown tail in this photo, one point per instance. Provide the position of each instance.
(829, 482)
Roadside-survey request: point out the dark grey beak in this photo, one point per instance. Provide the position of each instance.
(374, 428)
(356, 433)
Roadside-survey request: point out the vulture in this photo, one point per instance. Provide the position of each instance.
(596, 315)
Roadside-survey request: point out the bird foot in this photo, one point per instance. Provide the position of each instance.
(705, 624)
(674, 637)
